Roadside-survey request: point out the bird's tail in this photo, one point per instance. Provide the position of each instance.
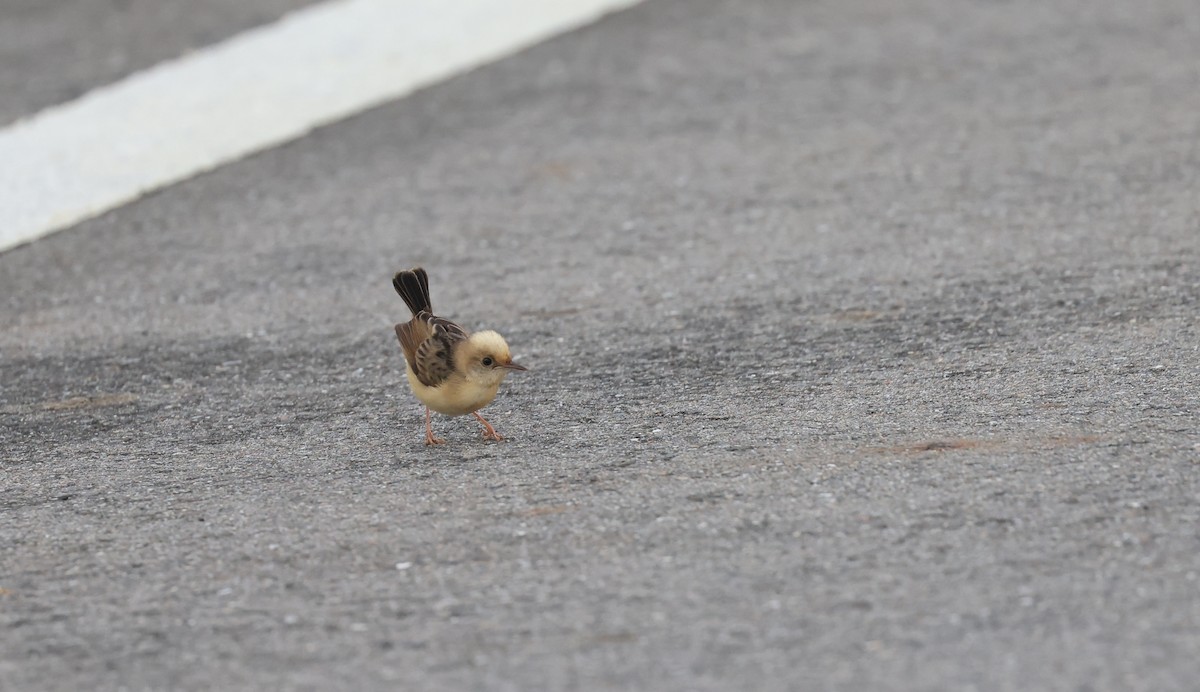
(413, 287)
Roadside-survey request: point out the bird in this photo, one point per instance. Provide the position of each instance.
(450, 370)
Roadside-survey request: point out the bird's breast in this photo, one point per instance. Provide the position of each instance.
(454, 396)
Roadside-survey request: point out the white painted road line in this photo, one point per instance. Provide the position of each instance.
(256, 90)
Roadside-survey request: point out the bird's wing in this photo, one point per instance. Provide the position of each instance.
(428, 343)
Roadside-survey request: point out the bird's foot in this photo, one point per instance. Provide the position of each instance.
(489, 433)
(429, 438)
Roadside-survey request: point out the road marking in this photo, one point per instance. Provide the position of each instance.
(256, 90)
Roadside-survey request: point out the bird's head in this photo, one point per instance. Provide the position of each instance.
(486, 357)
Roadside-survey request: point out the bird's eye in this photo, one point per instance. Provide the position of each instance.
(487, 361)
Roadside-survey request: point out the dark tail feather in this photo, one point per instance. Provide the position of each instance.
(413, 287)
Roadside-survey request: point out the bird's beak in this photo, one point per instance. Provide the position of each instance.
(514, 366)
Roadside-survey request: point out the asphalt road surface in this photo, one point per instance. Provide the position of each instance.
(863, 354)
(51, 52)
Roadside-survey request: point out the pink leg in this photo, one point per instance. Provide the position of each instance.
(429, 438)
(489, 433)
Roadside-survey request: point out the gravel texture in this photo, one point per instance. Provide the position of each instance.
(53, 51)
(864, 355)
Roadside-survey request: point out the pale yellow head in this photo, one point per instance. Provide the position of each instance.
(484, 358)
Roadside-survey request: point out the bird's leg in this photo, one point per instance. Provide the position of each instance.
(489, 433)
(429, 438)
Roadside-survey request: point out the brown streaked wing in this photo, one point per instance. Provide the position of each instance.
(434, 360)
(428, 344)
(456, 332)
(411, 334)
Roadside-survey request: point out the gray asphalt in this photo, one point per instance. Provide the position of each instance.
(863, 352)
(52, 52)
